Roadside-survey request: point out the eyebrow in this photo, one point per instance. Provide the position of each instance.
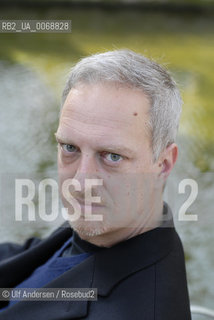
(110, 147)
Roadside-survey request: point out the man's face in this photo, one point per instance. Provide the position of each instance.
(103, 134)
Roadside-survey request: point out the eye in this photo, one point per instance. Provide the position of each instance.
(68, 148)
(113, 157)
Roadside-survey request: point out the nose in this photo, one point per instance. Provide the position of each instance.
(86, 169)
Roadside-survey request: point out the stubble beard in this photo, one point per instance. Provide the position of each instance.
(88, 228)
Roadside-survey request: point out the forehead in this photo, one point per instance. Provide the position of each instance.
(104, 111)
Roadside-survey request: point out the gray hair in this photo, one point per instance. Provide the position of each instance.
(130, 69)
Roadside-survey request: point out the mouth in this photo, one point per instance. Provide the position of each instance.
(90, 204)
(91, 211)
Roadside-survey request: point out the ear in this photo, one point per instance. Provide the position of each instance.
(167, 160)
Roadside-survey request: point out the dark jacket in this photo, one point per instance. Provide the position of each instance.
(142, 278)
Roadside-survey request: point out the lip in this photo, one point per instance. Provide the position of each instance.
(93, 208)
(91, 204)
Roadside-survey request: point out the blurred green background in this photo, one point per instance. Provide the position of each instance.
(33, 70)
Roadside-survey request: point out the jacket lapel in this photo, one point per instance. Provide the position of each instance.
(130, 256)
(15, 269)
(78, 277)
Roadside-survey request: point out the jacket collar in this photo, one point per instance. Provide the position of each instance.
(132, 255)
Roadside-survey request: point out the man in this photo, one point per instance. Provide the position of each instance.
(117, 129)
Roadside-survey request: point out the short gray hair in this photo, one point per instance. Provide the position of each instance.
(131, 69)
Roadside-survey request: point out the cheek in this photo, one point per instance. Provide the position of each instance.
(127, 190)
(64, 173)
(62, 161)
(120, 190)
(59, 160)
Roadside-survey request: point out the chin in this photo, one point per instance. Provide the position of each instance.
(88, 229)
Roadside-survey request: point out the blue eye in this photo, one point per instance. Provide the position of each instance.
(113, 157)
(69, 148)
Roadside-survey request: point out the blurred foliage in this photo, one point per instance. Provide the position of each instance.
(203, 2)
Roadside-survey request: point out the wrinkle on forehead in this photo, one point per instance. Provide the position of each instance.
(100, 108)
(92, 118)
(83, 129)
